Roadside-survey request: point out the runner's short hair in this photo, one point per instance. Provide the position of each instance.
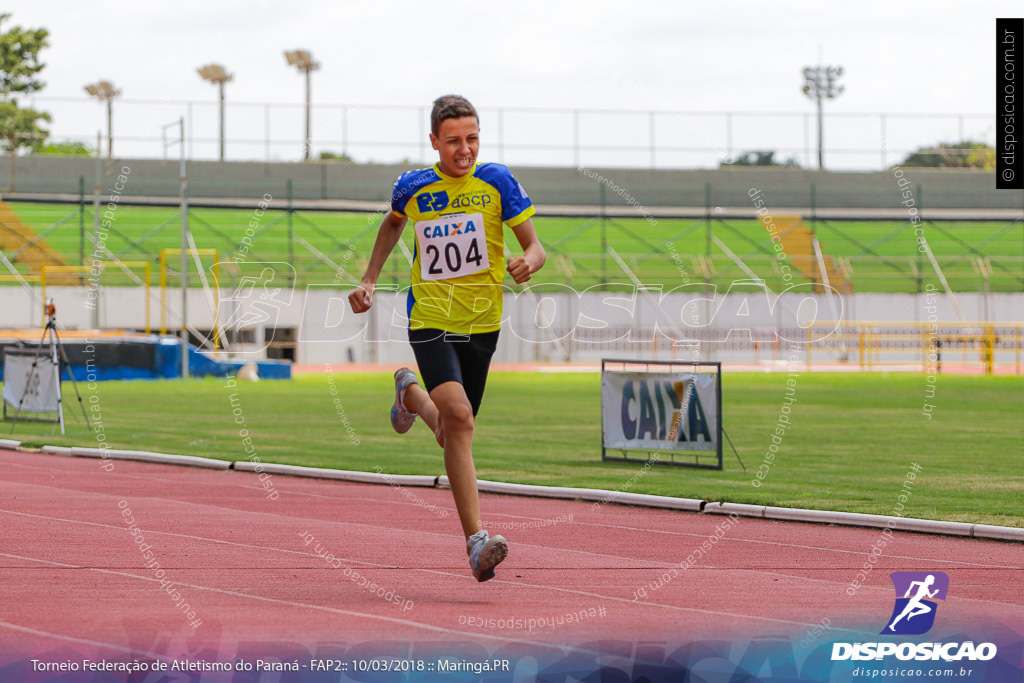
(450, 107)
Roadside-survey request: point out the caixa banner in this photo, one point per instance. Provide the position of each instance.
(31, 382)
(664, 407)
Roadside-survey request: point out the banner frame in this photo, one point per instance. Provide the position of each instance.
(694, 455)
(39, 415)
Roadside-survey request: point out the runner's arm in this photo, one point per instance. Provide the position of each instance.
(387, 237)
(533, 258)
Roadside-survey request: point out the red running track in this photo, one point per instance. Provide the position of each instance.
(72, 574)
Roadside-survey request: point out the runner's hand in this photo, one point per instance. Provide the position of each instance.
(361, 298)
(519, 269)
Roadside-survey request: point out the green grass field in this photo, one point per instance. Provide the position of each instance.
(882, 255)
(852, 440)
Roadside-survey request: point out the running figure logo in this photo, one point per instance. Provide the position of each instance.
(914, 612)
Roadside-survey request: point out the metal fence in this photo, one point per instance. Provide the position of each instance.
(518, 136)
(586, 250)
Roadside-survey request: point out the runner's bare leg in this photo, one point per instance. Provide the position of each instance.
(418, 401)
(448, 412)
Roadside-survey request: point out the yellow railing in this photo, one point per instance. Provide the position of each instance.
(21, 277)
(982, 345)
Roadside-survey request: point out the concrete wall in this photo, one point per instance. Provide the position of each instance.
(368, 182)
(545, 328)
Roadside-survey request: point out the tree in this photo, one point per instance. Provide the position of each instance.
(19, 70)
(19, 58)
(760, 158)
(333, 156)
(19, 127)
(68, 149)
(966, 154)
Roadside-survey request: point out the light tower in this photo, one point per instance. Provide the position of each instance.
(819, 85)
(104, 91)
(215, 73)
(303, 61)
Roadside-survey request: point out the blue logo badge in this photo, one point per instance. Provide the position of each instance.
(431, 201)
(916, 595)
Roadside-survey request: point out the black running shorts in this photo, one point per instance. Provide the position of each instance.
(446, 357)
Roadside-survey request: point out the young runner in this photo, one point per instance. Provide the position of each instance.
(457, 208)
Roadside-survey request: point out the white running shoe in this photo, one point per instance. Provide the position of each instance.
(401, 417)
(485, 553)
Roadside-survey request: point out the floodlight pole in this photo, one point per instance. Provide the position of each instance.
(96, 188)
(303, 61)
(221, 86)
(110, 128)
(104, 91)
(820, 84)
(215, 73)
(183, 172)
(309, 109)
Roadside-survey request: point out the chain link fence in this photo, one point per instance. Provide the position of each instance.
(517, 136)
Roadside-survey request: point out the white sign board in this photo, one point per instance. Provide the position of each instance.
(673, 411)
(38, 387)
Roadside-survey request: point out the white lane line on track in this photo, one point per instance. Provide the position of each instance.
(376, 565)
(239, 485)
(301, 605)
(81, 641)
(717, 520)
(446, 574)
(155, 532)
(882, 589)
(650, 564)
(441, 629)
(449, 574)
(619, 526)
(654, 564)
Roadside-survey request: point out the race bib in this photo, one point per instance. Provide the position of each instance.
(452, 246)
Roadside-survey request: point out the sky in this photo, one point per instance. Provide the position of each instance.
(907, 57)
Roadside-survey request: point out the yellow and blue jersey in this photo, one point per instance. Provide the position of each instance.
(459, 262)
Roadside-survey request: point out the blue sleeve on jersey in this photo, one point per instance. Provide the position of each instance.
(397, 193)
(514, 199)
(407, 185)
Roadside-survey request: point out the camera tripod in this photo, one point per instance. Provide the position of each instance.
(59, 357)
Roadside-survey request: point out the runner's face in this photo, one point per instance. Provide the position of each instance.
(457, 144)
